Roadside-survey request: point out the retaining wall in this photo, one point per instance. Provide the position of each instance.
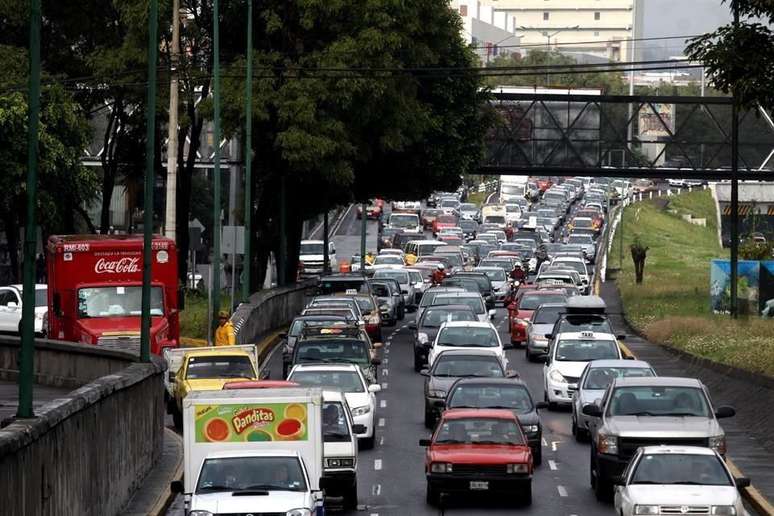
(269, 310)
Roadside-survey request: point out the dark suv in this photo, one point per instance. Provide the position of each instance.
(337, 345)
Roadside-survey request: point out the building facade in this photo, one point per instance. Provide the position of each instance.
(491, 33)
(600, 28)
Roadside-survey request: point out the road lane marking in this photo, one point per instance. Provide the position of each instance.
(552, 465)
(562, 491)
(386, 372)
(553, 445)
(384, 385)
(387, 351)
(385, 361)
(381, 441)
(383, 403)
(378, 464)
(381, 421)
(376, 490)
(544, 442)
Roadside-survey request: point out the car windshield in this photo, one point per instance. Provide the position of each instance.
(403, 220)
(658, 401)
(547, 314)
(494, 274)
(479, 431)
(322, 350)
(334, 423)
(468, 225)
(581, 350)
(458, 365)
(598, 378)
(476, 303)
(401, 276)
(468, 337)
(117, 302)
(680, 469)
(483, 284)
(386, 259)
(455, 260)
(380, 290)
(388, 231)
(494, 219)
(533, 301)
(365, 304)
(346, 381)
(513, 397)
(208, 367)
(251, 473)
(435, 317)
(310, 249)
(579, 323)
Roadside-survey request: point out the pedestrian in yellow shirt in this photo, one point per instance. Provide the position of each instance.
(224, 333)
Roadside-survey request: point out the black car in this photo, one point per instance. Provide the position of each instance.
(484, 286)
(386, 238)
(337, 345)
(450, 366)
(294, 332)
(502, 393)
(429, 324)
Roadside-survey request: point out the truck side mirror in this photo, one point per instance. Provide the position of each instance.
(592, 410)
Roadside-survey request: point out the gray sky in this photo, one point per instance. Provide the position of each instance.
(677, 18)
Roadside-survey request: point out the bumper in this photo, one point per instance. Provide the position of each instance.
(610, 466)
(537, 348)
(338, 482)
(560, 392)
(451, 483)
(367, 420)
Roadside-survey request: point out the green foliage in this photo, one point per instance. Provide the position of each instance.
(750, 250)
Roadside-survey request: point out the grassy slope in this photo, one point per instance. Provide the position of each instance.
(672, 305)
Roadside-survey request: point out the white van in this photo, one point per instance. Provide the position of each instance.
(407, 222)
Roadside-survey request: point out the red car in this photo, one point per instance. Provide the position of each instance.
(544, 184)
(428, 217)
(478, 451)
(520, 311)
(444, 221)
(373, 211)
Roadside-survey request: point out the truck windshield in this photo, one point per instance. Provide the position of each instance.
(313, 249)
(403, 220)
(335, 427)
(202, 368)
(251, 473)
(117, 302)
(658, 401)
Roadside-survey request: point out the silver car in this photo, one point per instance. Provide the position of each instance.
(592, 384)
(541, 324)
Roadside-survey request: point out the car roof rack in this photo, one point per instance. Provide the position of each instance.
(331, 331)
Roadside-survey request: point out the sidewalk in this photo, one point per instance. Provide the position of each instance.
(750, 434)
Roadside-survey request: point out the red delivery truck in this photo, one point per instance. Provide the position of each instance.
(95, 290)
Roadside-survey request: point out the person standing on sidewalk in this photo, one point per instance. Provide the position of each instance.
(224, 333)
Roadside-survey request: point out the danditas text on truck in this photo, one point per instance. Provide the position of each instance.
(95, 290)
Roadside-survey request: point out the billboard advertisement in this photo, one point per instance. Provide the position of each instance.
(755, 289)
(251, 422)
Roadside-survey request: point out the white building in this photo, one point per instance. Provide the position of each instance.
(491, 33)
(601, 28)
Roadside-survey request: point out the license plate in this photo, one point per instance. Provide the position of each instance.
(479, 486)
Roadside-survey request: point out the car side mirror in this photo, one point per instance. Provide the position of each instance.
(724, 412)
(549, 336)
(424, 442)
(541, 405)
(510, 373)
(374, 387)
(358, 429)
(592, 410)
(742, 482)
(425, 372)
(492, 314)
(176, 486)
(283, 336)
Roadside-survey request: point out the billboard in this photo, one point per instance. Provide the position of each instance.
(755, 288)
(656, 121)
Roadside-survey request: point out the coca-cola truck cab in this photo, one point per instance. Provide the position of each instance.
(95, 290)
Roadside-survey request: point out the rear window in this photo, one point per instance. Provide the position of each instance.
(532, 301)
(547, 314)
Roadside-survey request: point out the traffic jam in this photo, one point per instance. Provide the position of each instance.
(471, 360)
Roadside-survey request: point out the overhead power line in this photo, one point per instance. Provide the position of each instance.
(589, 42)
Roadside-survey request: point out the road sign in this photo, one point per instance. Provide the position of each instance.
(194, 239)
(233, 240)
(196, 223)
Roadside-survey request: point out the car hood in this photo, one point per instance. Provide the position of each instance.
(441, 383)
(479, 453)
(660, 426)
(227, 503)
(572, 369)
(682, 495)
(357, 399)
(590, 395)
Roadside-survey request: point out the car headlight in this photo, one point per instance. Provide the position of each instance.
(441, 467)
(718, 443)
(556, 376)
(516, 468)
(531, 429)
(299, 512)
(361, 411)
(646, 509)
(725, 510)
(435, 393)
(422, 338)
(200, 513)
(608, 444)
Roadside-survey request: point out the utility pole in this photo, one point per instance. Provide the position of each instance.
(170, 222)
(27, 351)
(248, 258)
(734, 187)
(150, 147)
(216, 172)
(363, 230)
(326, 254)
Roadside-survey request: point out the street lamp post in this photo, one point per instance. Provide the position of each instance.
(216, 172)
(248, 260)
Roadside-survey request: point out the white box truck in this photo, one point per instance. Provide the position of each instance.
(253, 451)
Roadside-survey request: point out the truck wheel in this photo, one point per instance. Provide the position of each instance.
(368, 442)
(350, 498)
(432, 496)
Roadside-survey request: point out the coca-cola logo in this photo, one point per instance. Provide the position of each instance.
(121, 266)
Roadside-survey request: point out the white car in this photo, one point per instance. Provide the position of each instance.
(311, 256)
(467, 335)
(11, 309)
(349, 379)
(575, 263)
(387, 261)
(567, 358)
(472, 299)
(678, 480)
